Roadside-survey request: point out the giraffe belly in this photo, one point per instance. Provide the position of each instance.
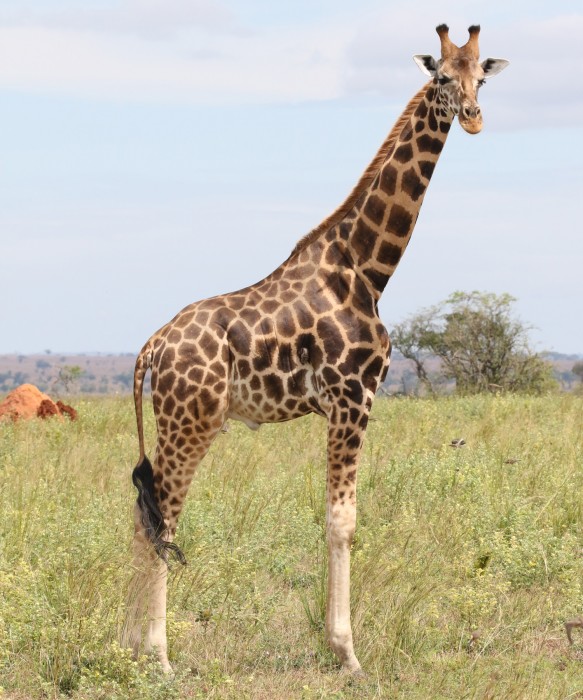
(271, 397)
(255, 413)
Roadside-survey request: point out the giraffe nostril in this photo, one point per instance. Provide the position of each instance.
(470, 112)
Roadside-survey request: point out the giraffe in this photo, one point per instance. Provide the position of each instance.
(305, 339)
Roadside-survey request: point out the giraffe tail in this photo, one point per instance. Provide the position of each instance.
(143, 475)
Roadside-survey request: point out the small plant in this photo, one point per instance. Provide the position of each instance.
(69, 376)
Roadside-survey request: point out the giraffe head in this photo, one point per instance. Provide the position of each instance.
(458, 75)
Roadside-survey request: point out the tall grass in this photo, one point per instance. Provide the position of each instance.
(466, 563)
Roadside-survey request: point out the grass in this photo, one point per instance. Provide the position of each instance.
(466, 564)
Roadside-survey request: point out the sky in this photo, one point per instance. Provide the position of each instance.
(156, 152)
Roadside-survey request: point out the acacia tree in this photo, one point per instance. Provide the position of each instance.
(481, 345)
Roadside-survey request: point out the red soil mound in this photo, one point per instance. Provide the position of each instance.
(66, 410)
(26, 401)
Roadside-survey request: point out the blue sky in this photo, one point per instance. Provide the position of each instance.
(155, 152)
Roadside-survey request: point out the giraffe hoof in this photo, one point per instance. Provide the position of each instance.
(354, 676)
(353, 670)
(167, 669)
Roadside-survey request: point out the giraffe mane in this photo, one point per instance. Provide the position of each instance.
(367, 176)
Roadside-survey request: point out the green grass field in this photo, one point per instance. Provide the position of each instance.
(466, 563)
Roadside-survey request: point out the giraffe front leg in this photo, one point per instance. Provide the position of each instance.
(340, 530)
(344, 444)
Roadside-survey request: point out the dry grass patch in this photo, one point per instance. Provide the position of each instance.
(466, 564)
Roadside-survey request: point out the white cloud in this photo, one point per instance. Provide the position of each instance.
(197, 66)
(151, 19)
(198, 51)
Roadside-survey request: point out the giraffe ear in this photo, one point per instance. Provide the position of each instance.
(427, 64)
(493, 66)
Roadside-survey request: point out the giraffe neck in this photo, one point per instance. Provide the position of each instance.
(370, 230)
(378, 228)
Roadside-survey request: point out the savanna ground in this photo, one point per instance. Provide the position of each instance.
(466, 564)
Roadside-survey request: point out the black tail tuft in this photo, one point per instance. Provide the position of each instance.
(152, 518)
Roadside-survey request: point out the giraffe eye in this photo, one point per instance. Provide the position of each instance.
(444, 80)
(481, 82)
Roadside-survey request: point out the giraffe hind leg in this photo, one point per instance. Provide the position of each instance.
(162, 488)
(151, 517)
(145, 623)
(147, 589)
(144, 559)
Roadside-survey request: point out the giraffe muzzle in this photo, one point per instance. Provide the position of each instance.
(470, 118)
